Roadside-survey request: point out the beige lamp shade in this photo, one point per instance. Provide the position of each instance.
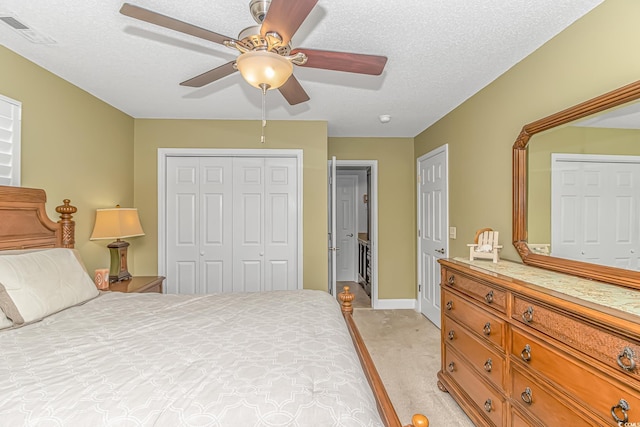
(116, 223)
(260, 67)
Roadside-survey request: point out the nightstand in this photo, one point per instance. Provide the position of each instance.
(139, 284)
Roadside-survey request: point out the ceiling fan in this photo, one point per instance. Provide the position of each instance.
(266, 58)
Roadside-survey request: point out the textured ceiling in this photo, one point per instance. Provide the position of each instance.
(440, 53)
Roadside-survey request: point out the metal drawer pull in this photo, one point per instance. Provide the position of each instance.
(451, 334)
(624, 407)
(487, 329)
(628, 355)
(449, 305)
(451, 366)
(487, 405)
(488, 365)
(527, 316)
(526, 396)
(452, 279)
(526, 353)
(489, 297)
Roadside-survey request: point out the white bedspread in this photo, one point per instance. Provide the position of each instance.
(257, 359)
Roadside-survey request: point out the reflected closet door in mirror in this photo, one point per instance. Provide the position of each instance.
(532, 215)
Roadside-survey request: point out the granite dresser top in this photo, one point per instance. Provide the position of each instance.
(607, 295)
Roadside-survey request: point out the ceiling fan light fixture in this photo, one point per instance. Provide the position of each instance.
(262, 68)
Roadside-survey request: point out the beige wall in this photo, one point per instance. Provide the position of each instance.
(396, 208)
(309, 136)
(73, 145)
(591, 57)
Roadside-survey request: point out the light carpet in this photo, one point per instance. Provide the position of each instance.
(405, 347)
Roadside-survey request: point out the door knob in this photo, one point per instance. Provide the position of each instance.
(201, 253)
(440, 251)
(261, 254)
(350, 235)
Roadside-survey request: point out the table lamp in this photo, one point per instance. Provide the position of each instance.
(117, 223)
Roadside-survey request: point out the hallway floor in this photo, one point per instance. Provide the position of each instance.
(362, 300)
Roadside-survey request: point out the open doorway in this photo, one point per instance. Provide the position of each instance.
(356, 230)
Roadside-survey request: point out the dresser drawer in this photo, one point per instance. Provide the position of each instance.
(487, 326)
(488, 401)
(519, 420)
(574, 376)
(537, 401)
(479, 291)
(617, 352)
(488, 362)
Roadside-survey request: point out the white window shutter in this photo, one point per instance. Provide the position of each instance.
(10, 123)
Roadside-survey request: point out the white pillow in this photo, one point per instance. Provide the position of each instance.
(29, 250)
(4, 321)
(34, 285)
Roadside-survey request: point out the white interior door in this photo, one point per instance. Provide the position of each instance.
(346, 228)
(199, 193)
(183, 239)
(595, 209)
(433, 240)
(248, 229)
(215, 229)
(281, 224)
(232, 224)
(331, 195)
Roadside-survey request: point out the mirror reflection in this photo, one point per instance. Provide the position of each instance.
(583, 189)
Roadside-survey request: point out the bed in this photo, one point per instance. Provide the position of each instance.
(74, 356)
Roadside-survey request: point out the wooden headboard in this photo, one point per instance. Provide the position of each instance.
(24, 222)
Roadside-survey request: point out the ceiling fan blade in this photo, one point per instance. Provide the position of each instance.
(211, 75)
(293, 91)
(285, 16)
(171, 23)
(343, 61)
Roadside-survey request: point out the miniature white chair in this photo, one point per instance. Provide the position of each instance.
(485, 245)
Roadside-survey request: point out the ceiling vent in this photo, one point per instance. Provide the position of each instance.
(24, 30)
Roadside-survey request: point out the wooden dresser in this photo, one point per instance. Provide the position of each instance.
(524, 346)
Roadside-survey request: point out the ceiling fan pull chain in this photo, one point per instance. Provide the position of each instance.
(264, 88)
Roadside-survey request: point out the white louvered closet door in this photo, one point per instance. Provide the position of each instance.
(231, 224)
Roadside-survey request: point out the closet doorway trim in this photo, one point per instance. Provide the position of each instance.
(163, 153)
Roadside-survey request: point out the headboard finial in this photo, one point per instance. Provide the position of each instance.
(66, 211)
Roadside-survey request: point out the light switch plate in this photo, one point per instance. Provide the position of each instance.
(452, 232)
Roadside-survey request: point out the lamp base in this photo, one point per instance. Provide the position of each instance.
(118, 270)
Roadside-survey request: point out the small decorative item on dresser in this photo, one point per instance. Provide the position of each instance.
(485, 245)
(101, 278)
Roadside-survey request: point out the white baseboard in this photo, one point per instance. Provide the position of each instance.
(396, 304)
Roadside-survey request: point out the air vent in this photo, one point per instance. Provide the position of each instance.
(24, 30)
(13, 22)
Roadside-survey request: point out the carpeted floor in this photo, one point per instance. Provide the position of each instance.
(405, 347)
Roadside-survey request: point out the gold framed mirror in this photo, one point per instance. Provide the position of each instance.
(530, 253)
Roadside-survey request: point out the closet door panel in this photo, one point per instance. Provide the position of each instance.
(232, 224)
(213, 277)
(182, 220)
(185, 281)
(216, 220)
(281, 224)
(249, 277)
(248, 226)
